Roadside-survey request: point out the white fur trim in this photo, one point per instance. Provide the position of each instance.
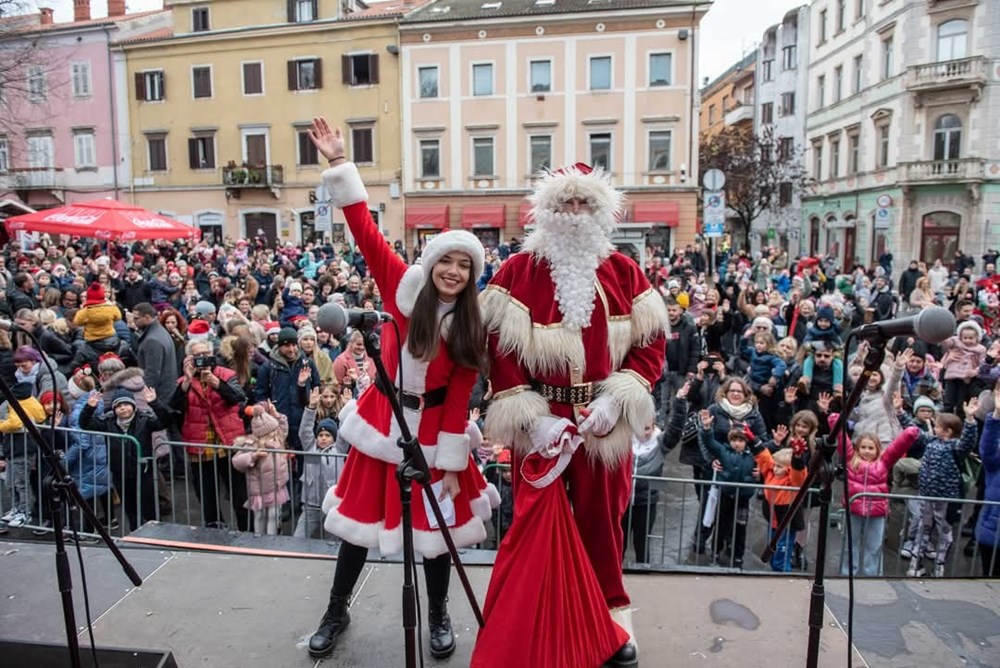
(510, 418)
(354, 532)
(344, 185)
(484, 504)
(409, 287)
(612, 449)
(634, 397)
(623, 618)
(452, 451)
(455, 240)
(552, 348)
(557, 188)
(649, 318)
(368, 439)
(619, 339)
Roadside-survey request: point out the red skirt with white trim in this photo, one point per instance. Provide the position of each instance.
(364, 508)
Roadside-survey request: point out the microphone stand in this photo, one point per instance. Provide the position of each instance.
(65, 493)
(821, 466)
(412, 469)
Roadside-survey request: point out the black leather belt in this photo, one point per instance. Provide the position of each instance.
(574, 395)
(417, 402)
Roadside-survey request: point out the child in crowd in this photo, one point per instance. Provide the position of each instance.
(266, 472)
(785, 468)
(332, 399)
(292, 304)
(940, 477)
(20, 454)
(734, 502)
(868, 470)
(825, 328)
(961, 364)
(767, 368)
(322, 466)
(97, 317)
(906, 472)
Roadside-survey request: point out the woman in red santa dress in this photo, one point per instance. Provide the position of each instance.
(443, 344)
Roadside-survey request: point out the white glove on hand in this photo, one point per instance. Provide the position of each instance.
(603, 416)
(549, 434)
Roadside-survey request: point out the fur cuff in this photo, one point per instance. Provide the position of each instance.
(510, 418)
(623, 618)
(343, 184)
(452, 451)
(649, 318)
(409, 287)
(634, 396)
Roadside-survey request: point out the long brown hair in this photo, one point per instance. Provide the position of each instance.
(466, 335)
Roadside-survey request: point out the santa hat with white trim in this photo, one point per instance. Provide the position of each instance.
(446, 242)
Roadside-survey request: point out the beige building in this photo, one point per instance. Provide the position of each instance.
(218, 106)
(497, 91)
(729, 100)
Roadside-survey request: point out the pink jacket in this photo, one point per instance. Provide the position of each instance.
(266, 477)
(961, 362)
(873, 476)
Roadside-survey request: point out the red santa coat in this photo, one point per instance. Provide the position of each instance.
(364, 507)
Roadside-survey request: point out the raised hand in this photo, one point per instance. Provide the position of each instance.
(902, 358)
(314, 398)
(780, 433)
(304, 374)
(683, 392)
(791, 394)
(329, 141)
(970, 407)
(149, 394)
(706, 418)
(897, 401)
(823, 401)
(94, 399)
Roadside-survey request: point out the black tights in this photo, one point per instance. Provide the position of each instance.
(351, 561)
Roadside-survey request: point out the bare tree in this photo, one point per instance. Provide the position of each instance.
(23, 61)
(762, 174)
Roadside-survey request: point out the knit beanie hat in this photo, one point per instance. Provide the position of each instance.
(825, 312)
(204, 308)
(122, 396)
(306, 332)
(22, 390)
(45, 399)
(263, 425)
(287, 335)
(95, 295)
(327, 425)
(923, 402)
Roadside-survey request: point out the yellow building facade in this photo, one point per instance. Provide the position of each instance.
(218, 110)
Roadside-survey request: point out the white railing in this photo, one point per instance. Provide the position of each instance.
(961, 169)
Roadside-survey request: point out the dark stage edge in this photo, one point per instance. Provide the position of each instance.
(222, 610)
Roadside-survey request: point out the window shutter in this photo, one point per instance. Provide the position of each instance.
(318, 69)
(315, 10)
(292, 79)
(193, 153)
(373, 68)
(140, 86)
(291, 13)
(163, 85)
(345, 66)
(210, 152)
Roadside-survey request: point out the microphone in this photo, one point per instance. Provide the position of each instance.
(933, 325)
(334, 318)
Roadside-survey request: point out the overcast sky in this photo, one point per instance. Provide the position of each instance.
(730, 29)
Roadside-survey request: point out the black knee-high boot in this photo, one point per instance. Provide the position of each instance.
(336, 619)
(437, 573)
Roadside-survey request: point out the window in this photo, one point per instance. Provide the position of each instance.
(767, 113)
(430, 159)
(711, 114)
(201, 82)
(84, 149)
(80, 73)
(940, 234)
(307, 154)
(947, 137)
(482, 156)
(600, 73)
(363, 144)
(841, 14)
(306, 74)
(201, 151)
(428, 77)
(660, 66)
(199, 19)
(600, 150)
(887, 65)
(818, 161)
(787, 104)
(822, 27)
(858, 73)
(150, 86)
(834, 158)
(36, 84)
(4, 155)
(253, 78)
(859, 9)
(360, 69)
(821, 91)
(838, 83)
(541, 152)
(767, 70)
(156, 152)
(482, 79)
(883, 146)
(726, 107)
(784, 193)
(541, 76)
(786, 148)
(952, 38)
(301, 11)
(789, 57)
(40, 151)
(659, 150)
(853, 153)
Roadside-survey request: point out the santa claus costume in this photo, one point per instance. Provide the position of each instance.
(364, 507)
(575, 331)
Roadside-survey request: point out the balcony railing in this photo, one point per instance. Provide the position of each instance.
(744, 112)
(38, 177)
(961, 169)
(969, 72)
(253, 177)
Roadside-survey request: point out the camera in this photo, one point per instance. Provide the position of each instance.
(204, 363)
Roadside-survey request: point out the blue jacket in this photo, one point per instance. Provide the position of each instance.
(988, 529)
(763, 366)
(736, 466)
(293, 307)
(278, 381)
(87, 456)
(939, 472)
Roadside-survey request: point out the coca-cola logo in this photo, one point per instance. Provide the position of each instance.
(73, 217)
(151, 223)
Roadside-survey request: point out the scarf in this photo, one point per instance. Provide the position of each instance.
(124, 424)
(735, 412)
(30, 377)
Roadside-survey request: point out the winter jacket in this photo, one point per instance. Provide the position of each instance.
(203, 408)
(160, 292)
(872, 476)
(763, 366)
(157, 358)
(123, 453)
(737, 467)
(875, 413)
(135, 293)
(962, 362)
(830, 335)
(98, 322)
(795, 475)
(940, 475)
(278, 381)
(683, 346)
(651, 463)
(87, 456)
(988, 528)
(20, 444)
(267, 476)
(293, 308)
(322, 467)
(691, 453)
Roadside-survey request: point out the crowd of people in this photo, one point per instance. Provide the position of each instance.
(217, 347)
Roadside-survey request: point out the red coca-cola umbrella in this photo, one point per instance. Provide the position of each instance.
(105, 219)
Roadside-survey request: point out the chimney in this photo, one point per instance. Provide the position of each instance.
(116, 8)
(81, 10)
(46, 13)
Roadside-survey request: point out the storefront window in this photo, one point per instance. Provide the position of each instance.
(940, 236)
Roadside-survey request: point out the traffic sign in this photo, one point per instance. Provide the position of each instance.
(713, 179)
(714, 212)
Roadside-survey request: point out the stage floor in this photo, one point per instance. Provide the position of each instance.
(223, 610)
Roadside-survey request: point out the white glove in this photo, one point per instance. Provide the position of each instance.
(549, 434)
(603, 416)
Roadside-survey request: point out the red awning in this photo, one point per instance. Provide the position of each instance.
(428, 216)
(665, 213)
(483, 215)
(524, 214)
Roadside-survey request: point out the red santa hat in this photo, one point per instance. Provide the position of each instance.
(271, 327)
(442, 244)
(579, 181)
(198, 330)
(95, 295)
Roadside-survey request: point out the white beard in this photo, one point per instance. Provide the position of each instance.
(574, 245)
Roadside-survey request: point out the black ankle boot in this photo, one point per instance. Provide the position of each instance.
(335, 620)
(439, 623)
(627, 656)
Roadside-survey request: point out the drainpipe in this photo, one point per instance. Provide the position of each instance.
(111, 105)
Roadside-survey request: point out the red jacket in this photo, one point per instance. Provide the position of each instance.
(206, 407)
